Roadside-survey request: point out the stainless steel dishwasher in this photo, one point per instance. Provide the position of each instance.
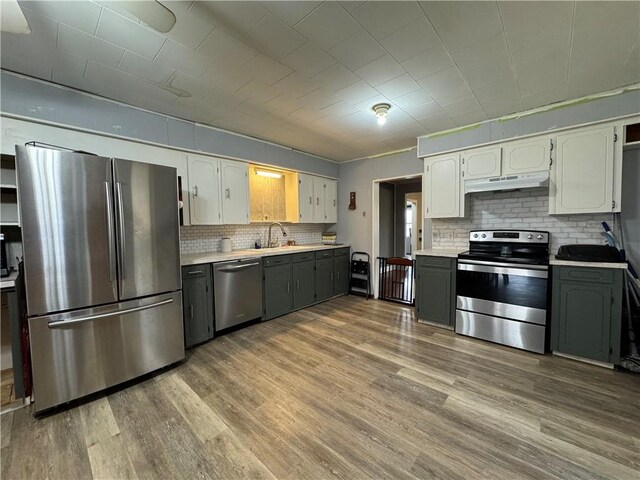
(237, 289)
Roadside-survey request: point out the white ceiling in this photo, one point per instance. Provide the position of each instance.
(305, 74)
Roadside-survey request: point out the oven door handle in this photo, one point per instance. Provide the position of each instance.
(507, 265)
(521, 272)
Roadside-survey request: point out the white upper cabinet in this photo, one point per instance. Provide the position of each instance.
(526, 156)
(331, 201)
(583, 174)
(481, 163)
(235, 192)
(319, 194)
(305, 198)
(205, 199)
(442, 187)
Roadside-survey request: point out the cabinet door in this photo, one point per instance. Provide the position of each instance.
(331, 201)
(584, 172)
(482, 163)
(305, 197)
(235, 192)
(442, 186)
(527, 156)
(304, 284)
(198, 312)
(278, 295)
(319, 193)
(433, 295)
(324, 278)
(204, 182)
(341, 274)
(584, 320)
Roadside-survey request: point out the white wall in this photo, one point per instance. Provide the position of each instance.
(354, 226)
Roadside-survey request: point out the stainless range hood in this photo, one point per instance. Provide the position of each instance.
(509, 182)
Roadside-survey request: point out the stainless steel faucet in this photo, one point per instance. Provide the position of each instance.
(284, 234)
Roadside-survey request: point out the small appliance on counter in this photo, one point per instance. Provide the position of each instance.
(329, 238)
(589, 253)
(5, 271)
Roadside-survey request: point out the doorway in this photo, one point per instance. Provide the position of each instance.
(398, 227)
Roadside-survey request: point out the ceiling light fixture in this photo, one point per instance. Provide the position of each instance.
(381, 110)
(267, 173)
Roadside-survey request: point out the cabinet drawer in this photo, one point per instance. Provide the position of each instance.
(302, 257)
(339, 252)
(195, 271)
(276, 260)
(438, 262)
(586, 274)
(324, 254)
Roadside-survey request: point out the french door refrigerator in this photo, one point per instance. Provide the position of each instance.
(102, 270)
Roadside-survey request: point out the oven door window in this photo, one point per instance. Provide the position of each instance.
(504, 285)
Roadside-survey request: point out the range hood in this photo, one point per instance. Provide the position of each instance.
(510, 182)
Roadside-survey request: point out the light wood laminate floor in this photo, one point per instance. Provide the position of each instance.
(347, 389)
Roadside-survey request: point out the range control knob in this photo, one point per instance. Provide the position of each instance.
(484, 235)
(475, 235)
(540, 237)
(529, 236)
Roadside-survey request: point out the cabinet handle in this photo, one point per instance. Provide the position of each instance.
(195, 272)
(310, 201)
(297, 284)
(227, 193)
(331, 277)
(195, 190)
(334, 202)
(317, 200)
(191, 312)
(288, 287)
(338, 275)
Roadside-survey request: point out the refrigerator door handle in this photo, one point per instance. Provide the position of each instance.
(88, 318)
(110, 231)
(121, 236)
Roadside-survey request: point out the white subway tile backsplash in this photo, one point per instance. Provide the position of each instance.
(525, 209)
(207, 238)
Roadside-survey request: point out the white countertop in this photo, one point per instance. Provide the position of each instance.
(10, 281)
(213, 257)
(441, 252)
(570, 263)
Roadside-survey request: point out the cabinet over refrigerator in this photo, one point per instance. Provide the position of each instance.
(101, 268)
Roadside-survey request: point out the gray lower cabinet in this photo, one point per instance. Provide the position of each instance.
(277, 287)
(436, 289)
(197, 300)
(298, 280)
(341, 263)
(324, 275)
(304, 283)
(586, 309)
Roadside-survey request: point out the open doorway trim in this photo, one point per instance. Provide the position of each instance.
(375, 224)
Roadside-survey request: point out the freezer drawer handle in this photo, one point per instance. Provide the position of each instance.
(239, 267)
(64, 323)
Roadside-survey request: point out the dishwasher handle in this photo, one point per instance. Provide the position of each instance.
(238, 267)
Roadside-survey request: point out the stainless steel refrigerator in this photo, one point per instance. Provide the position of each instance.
(102, 270)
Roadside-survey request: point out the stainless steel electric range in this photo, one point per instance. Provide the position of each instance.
(501, 288)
